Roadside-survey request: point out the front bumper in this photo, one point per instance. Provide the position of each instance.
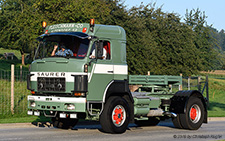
(62, 104)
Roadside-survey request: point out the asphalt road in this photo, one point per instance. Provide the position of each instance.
(165, 131)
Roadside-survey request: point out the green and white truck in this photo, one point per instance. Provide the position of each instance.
(93, 83)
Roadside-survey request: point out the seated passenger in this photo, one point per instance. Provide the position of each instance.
(62, 52)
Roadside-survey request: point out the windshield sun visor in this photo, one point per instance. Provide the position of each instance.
(76, 34)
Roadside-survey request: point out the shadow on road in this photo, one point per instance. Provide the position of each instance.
(95, 125)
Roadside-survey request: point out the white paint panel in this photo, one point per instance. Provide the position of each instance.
(57, 99)
(97, 68)
(68, 75)
(103, 68)
(120, 69)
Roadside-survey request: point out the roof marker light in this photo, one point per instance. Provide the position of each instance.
(44, 24)
(84, 29)
(92, 24)
(46, 31)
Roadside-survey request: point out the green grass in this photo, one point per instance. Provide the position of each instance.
(216, 97)
(16, 53)
(26, 119)
(20, 98)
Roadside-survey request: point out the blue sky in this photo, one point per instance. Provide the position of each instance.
(214, 9)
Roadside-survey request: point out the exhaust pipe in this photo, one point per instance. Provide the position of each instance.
(173, 115)
(160, 112)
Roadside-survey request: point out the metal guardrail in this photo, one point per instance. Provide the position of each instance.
(197, 82)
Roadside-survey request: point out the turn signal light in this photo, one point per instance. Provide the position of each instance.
(86, 68)
(32, 92)
(79, 94)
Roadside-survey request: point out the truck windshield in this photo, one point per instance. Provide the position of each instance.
(62, 46)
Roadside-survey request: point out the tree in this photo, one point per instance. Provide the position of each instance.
(20, 21)
(219, 47)
(160, 43)
(17, 25)
(202, 38)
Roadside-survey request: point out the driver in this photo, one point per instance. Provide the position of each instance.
(62, 52)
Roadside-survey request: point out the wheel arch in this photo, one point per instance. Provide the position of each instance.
(120, 88)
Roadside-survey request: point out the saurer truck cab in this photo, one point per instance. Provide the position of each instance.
(92, 83)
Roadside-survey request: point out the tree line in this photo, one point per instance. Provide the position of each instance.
(157, 41)
(219, 46)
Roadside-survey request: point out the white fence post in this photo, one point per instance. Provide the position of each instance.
(21, 73)
(180, 86)
(189, 82)
(12, 88)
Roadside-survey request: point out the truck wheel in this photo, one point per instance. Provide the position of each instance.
(64, 123)
(115, 116)
(152, 121)
(194, 116)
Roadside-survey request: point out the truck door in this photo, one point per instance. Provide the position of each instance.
(100, 72)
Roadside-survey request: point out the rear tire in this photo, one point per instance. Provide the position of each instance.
(176, 122)
(194, 116)
(115, 116)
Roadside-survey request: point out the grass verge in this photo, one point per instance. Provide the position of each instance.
(216, 97)
(27, 119)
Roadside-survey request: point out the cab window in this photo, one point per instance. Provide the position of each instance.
(105, 52)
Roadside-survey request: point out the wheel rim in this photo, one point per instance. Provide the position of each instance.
(118, 115)
(195, 113)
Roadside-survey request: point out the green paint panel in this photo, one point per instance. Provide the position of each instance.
(97, 86)
(58, 65)
(110, 31)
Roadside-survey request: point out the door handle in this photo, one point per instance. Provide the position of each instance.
(110, 71)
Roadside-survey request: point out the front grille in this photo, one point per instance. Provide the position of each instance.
(51, 84)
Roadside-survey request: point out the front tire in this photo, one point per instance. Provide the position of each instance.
(115, 116)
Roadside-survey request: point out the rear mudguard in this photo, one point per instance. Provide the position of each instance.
(180, 99)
